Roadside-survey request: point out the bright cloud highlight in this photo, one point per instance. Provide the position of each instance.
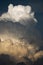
(19, 13)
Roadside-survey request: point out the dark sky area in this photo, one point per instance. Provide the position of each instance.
(37, 6)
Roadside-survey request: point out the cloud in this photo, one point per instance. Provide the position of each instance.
(19, 13)
(28, 51)
(38, 55)
(24, 16)
(14, 48)
(16, 36)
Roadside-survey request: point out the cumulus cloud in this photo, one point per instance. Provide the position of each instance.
(38, 55)
(14, 37)
(23, 15)
(19, 13)
(14, 48)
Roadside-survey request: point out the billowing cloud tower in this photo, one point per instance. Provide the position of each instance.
(18, 34)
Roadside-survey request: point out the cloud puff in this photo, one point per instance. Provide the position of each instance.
(19, 13)
(38, 55)
(28, 51)
(14, 48)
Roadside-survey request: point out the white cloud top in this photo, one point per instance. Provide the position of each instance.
(19, 13)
